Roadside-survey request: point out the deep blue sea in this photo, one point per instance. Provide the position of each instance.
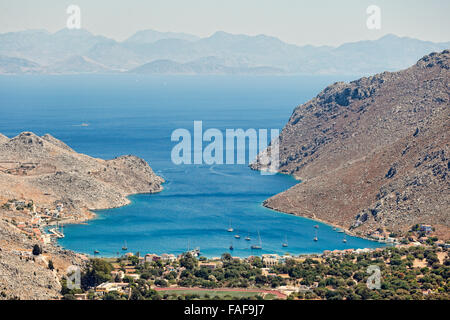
(130, 114)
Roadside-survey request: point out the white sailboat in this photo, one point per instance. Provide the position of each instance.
(285, 243)
(259, 245)
(230, 229)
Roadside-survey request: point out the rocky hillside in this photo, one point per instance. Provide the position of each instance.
(373, 153)
(47, 171)
(25, 276)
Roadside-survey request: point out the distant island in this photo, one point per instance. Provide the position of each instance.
(152, 52)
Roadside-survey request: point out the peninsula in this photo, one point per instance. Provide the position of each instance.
(43, 181)
(372, 154)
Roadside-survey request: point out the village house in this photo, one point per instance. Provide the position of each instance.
(426, 228)
(36, 222)
(270, 260)
(365, 250)
(111, 286)
(19, 204)
(169, 268)
(208, 265)
(264, 271)
(134, 276)
(151, 257)
(168, 257)
(59, 207)
(81, 296)
(117, 273)
(129, 270)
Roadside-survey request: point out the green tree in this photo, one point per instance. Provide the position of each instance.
(37, 250)
(188, 261)
(97, 272)
(161, 283)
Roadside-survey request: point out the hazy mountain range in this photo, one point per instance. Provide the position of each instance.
(153, 52)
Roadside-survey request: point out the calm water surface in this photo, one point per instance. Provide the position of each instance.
(136, 115)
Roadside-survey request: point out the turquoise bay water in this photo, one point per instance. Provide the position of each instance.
(136, 115)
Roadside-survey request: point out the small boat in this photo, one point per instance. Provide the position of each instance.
(340, 231)
(125, 246)
(237, 236)
(231, 246)
(315, 237)
(259, 245)
(285, 243)
(96, 252)
(344, 240)
(230, 229)
(334, 228)
(195, 252)
(247, 238)
(316, 226)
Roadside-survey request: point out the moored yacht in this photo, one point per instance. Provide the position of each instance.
(259, 245)
(230, 229)
(285, 243)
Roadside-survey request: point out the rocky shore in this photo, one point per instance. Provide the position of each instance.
(372, 154)
(42, 182)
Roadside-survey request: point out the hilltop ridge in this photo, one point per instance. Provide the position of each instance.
(47, 171)
(152, 52)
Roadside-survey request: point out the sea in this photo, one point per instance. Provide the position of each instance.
(106, 116)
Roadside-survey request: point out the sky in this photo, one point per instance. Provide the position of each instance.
(316, 22)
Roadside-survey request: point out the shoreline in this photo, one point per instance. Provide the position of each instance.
(93, 215)
(346, 231)
(332, 224)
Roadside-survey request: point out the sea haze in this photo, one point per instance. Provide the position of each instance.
(136, 114)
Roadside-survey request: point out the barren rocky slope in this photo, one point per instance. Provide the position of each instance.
(373, 153)
(47, 171)
(27, 277)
